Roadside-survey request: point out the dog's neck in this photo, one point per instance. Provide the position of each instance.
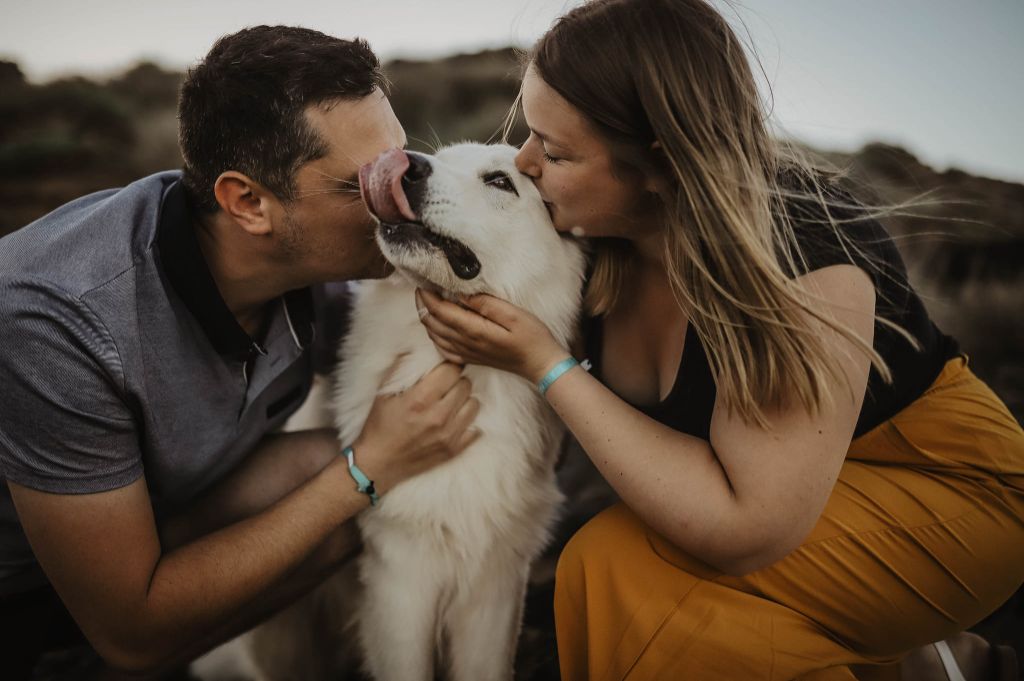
(558, 314)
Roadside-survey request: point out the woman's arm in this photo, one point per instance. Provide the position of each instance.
(739, 502)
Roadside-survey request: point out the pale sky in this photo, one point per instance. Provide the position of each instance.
(945, 78)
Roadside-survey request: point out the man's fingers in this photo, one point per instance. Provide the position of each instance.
(456, 398)
(462, 424)
(390, 371)
(436, 383)
(466, 414)
(468, 437)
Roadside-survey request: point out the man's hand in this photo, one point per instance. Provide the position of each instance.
(411, 432)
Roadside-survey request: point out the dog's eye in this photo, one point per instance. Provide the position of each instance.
(500, 180)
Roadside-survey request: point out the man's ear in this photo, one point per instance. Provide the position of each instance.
(245, 201)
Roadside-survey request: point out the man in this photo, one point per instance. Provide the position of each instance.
(153, 337)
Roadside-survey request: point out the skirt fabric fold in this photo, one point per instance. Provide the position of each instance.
(922, 537)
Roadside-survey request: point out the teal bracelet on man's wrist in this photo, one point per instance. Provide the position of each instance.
(555, 373)
(363, 483)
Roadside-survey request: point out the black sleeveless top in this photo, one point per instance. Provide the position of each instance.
(689, 404)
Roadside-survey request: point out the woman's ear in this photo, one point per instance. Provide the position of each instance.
(245, 201)
(657, 180)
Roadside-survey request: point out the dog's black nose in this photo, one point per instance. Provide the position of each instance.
(414, 181)
(419, 168)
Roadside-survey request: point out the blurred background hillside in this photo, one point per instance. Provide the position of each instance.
(963, 243)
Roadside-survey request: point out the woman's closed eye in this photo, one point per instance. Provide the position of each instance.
(500, 180)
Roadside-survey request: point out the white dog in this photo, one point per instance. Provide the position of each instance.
(447, 554)
(441, 581)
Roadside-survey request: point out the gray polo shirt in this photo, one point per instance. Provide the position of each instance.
(119, 359)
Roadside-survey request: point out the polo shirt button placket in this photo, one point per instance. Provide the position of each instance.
(255, 350)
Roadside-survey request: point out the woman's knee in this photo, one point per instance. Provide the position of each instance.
(616, 537)
(593, 544)
(615, 522)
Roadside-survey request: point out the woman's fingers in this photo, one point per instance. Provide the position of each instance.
(496, 310)
(443, 344)
(447, 342)
(439, 329)
(449, 352)
(467, 323)
(445, 339)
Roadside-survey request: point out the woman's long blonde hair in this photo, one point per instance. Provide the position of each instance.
(673, 72)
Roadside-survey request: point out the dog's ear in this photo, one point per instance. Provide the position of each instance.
(245, 201)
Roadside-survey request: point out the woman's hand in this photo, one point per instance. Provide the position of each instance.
(491, 332)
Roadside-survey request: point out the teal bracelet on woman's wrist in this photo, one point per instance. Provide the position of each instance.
(555, 373)
(363, 483)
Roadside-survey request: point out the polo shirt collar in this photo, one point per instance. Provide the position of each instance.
(190, 277)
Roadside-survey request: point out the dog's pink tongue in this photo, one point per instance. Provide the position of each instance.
(381, 185)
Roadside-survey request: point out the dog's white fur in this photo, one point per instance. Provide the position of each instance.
(447, 554)
(441, 581)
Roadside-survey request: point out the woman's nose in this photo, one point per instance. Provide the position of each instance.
(526, 163)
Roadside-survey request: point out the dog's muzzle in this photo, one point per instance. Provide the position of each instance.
(394, 187)
(461, 258)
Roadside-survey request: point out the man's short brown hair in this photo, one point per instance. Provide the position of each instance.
(243, 107)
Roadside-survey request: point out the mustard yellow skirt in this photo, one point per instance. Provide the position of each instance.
(922, 537)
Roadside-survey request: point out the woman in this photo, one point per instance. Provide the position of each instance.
(813, 482)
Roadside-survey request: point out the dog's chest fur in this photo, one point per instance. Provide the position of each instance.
(500, 489)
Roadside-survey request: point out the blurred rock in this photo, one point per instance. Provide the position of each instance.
(11, 78)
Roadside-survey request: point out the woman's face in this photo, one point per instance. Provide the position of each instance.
(571, 165)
